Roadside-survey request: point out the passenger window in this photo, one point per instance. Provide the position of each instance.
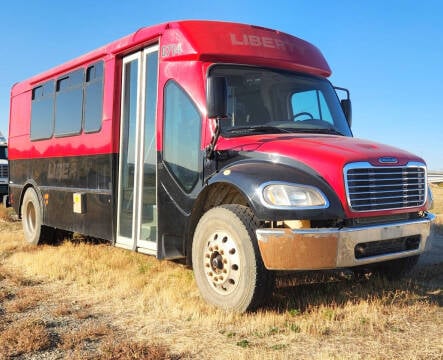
(42, 113)
(181, 142)
(310, 105)
(69, 104)
(93, 103)
(72, 103)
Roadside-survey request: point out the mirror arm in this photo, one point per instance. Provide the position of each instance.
(210, 149)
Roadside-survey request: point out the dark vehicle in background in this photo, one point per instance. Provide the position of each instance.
(4, 170)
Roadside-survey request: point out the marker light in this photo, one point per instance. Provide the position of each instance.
(280, 195)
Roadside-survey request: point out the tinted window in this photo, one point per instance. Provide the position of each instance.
(78, 104)
(181, 143)
(69, 103)
(93, 102)
(42, 113)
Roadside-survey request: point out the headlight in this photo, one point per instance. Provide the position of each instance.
(279, 195)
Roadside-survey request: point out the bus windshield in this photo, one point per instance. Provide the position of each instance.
(273, 101)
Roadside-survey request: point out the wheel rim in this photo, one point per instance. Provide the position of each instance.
(222, 262)
(30, 217)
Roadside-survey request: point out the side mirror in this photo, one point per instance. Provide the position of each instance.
(347, 109)
(346, 105)
(216, 95)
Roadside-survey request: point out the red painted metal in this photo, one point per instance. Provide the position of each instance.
(182, 45)
(326, 154)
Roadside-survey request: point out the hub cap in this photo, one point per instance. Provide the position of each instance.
(30, 217)
(222, 262)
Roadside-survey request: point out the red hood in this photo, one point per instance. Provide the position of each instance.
(316, 150)
(326, 154)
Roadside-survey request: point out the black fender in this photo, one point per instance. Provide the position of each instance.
(27, 184)
(249, 175)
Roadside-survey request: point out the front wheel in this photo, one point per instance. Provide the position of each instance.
(227, 264)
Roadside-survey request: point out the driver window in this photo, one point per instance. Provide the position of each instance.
(308, 105)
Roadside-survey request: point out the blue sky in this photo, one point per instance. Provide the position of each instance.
(388, 53)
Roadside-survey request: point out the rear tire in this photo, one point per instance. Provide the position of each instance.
(227, 263)
(32, 218)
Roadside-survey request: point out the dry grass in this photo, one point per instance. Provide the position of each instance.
(131, 306)
(24, 300)
(59, 328)
(6, 214)
(62, 309)
(437, 192)
(3, 213)
(135, 350)
(76, 340)
(25, 336)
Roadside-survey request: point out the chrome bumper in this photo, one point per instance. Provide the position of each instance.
(329, 248)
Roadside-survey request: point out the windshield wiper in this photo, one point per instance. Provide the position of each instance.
(318, 131)
(267, 129)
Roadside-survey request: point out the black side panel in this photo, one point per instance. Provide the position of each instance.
(174, 210)
(172, 224)
(96, 220)
(57, 179)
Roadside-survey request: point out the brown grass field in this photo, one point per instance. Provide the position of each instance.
(85, 300)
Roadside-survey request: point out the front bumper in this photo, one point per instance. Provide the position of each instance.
(330, 248)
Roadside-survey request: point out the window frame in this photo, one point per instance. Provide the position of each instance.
(101, 80)
(68, 88)
(34, 99)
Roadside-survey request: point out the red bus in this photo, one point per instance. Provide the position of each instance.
(220, 143)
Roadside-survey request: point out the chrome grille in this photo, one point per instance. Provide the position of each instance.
(3, 171)
(383, 188)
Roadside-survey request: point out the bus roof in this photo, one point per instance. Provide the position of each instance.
(210, 41)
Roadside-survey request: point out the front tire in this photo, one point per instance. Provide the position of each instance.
(227, 264)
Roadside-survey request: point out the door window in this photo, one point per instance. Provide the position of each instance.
(181, 143)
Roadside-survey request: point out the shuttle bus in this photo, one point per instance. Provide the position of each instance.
(220, 143)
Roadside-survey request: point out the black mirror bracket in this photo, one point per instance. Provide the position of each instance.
(217, 95)
(210, 149)
(346, 105)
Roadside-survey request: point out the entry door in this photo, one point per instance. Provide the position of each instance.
(137, 189)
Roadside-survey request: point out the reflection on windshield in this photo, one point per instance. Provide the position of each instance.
(271, 101)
